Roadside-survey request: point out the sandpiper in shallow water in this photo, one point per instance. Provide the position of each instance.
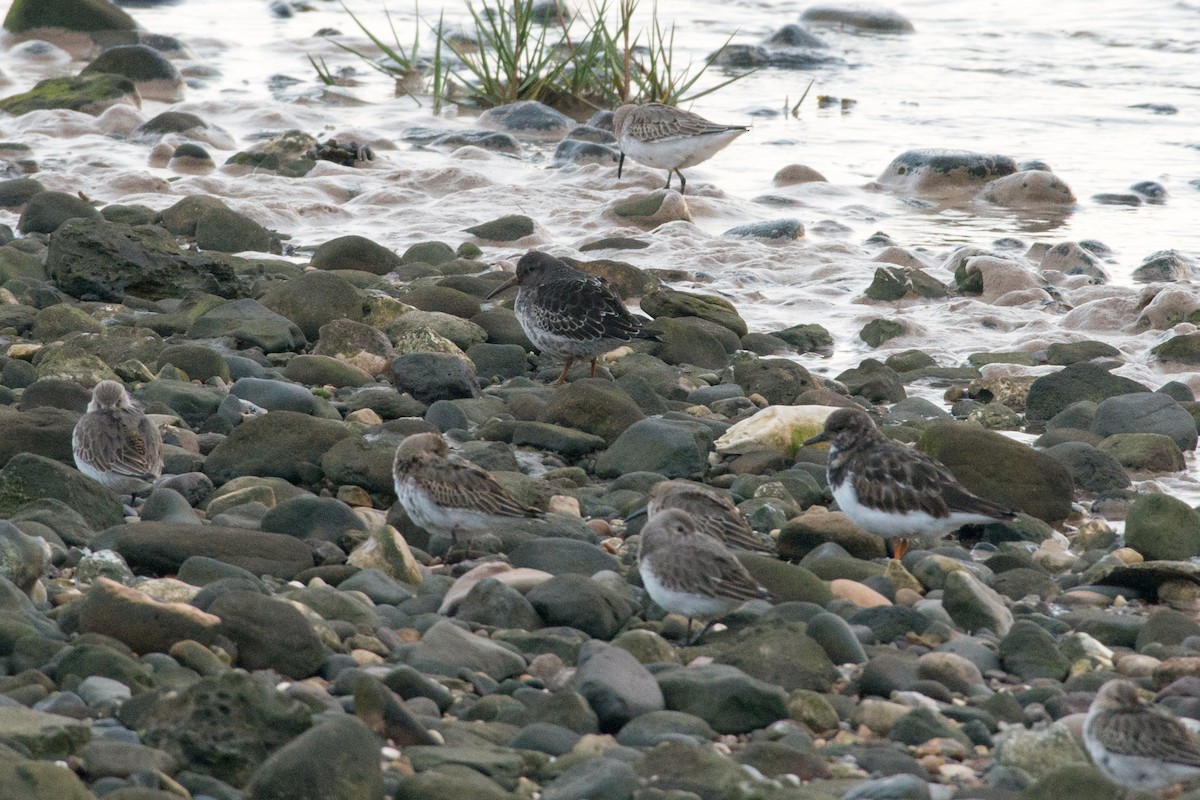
(568, 313)
(114, 443)
(450, 495)
(688, 572)
(892, 490)
(1135, 744)
(665, 137)
(712, 510)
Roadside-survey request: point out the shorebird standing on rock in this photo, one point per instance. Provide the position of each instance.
(666, 137)
(892, 490)
(449, 495)
(568, 313)
(114, 443)
(686, 571)
(1135, 744)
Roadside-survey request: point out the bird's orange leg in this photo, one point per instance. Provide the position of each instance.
(566, 368)
(593, 367)
(900, 548)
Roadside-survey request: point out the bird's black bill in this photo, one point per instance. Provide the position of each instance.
(820, 437)
(620, 164)
(507, 284)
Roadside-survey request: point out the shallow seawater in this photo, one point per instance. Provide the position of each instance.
(1080, 87)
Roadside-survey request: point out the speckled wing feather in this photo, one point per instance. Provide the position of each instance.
(732, 529)
(712, 571)
(585, 309)
(654, 122)
(1145, 732)
(467, 486)
(121, 442)
(714, 513)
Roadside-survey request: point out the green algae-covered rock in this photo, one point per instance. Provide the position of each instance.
(672, 303)
(724, 696)
(786, 582)
(504, 229)
(1161, 527)
(27, 477)
(90, 94)
(1085, 380)
(74, 15)
(779, 653)
(40, 780)
(878, 331)
(47, 736)
(224, 725)
(337, 759)
(995, 467)
(96, 259)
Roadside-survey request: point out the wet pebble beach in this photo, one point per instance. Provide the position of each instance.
(291, 288)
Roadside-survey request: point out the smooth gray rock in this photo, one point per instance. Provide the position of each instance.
(446, 648)
(618, 688)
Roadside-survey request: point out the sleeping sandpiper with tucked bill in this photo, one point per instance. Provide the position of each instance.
(666, 137)
(892, 490)
(450, 495)
(712, 510)
(1136, 744)
(114, 443)
(686, 571)
(568, 313)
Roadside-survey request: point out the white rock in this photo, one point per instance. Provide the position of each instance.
(781, 427)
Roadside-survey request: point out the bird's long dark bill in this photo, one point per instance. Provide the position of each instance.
(620, 164)
(507, 284)
(820, 437)
(636, 515)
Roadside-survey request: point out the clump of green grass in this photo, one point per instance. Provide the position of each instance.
(511, 53)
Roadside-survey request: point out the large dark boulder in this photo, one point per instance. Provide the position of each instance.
(98, 260)
(995, 467)
(74, 15)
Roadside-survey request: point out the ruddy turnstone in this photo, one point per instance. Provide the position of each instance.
(450, 495)
(568, 313)
(114, 443)
(1135, 744)
(665, 137)
(691, 573)
(712, 511)
(893, 491)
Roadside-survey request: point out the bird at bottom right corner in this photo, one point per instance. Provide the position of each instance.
(1136, 744)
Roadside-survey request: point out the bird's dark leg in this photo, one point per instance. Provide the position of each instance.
(696, 639)
(668, 186)
(454, 545)
(566, 368)
(593, 367)
(620, 164)
(682, 181)
(900, 548)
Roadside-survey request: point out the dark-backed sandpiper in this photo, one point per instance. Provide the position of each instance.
(892, 490)
(568, 313)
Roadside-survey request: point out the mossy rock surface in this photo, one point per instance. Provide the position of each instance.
(27, 478)
(997, 468)
(90, 94)
(504, 229)
(74, 15)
